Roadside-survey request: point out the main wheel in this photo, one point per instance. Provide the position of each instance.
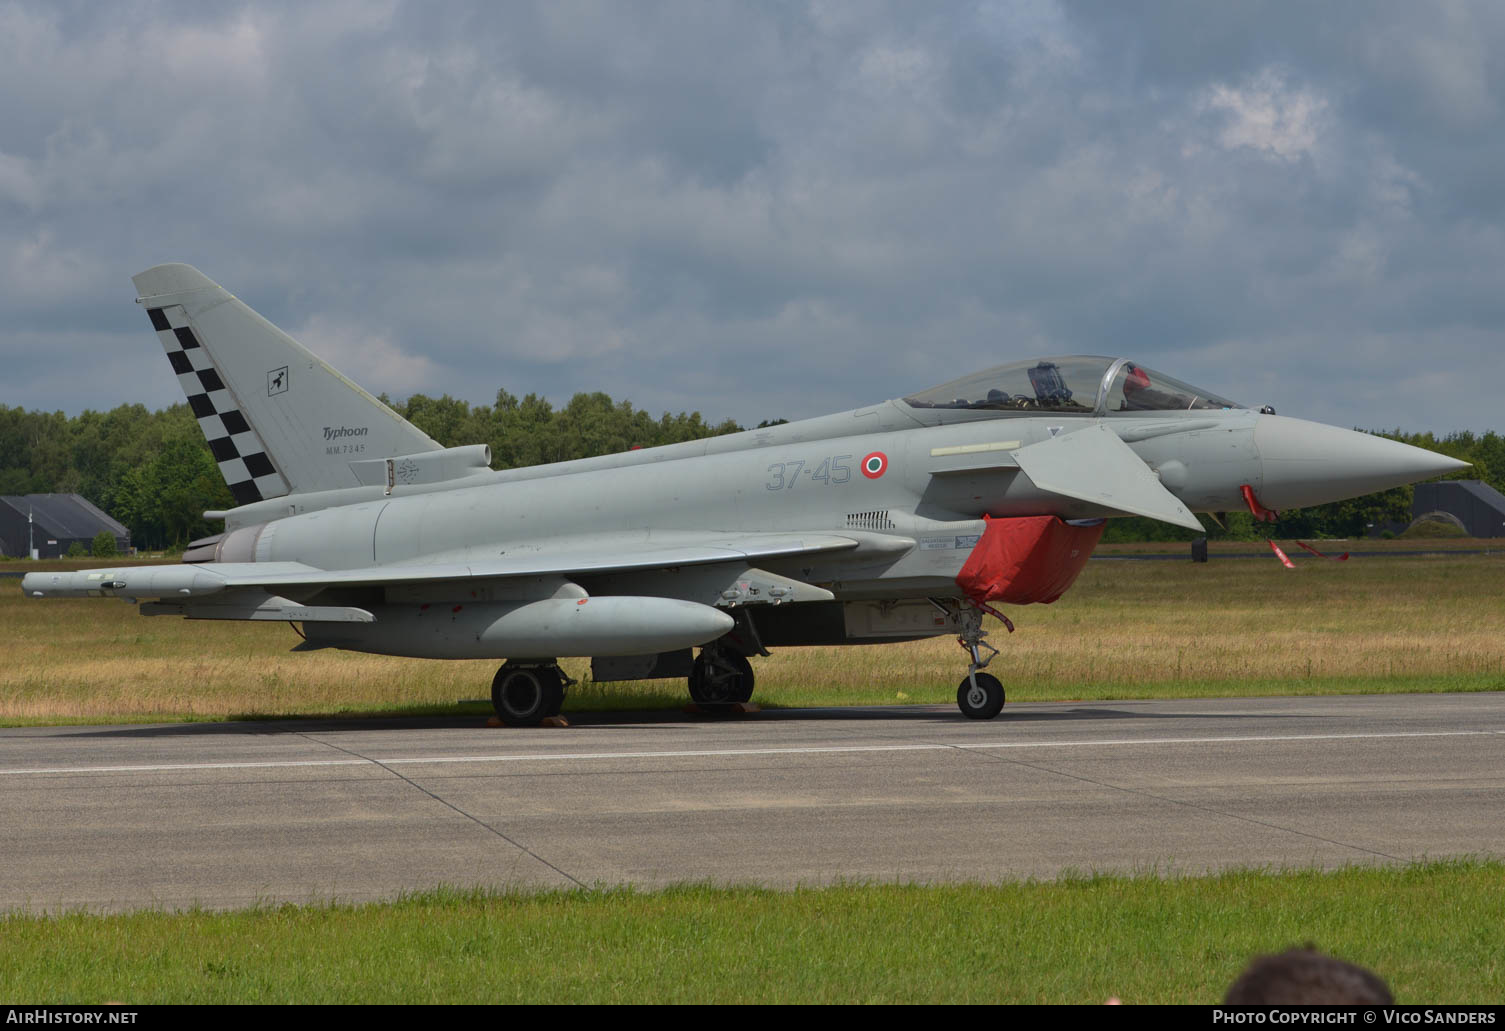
(720, 678)
(524, 695)
(983, 701)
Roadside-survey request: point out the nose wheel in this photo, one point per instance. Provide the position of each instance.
(980, 696)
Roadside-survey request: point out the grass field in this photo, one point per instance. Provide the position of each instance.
(1434, 932)
(1128, 629)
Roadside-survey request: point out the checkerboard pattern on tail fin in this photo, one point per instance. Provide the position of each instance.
(278, 418)
(241, 455)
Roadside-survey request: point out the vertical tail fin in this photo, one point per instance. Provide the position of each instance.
(278, 419)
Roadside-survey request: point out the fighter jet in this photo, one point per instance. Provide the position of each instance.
(902, 520)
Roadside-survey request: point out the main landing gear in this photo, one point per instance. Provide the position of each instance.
(720, 678)
(526, 693)
(980, 696)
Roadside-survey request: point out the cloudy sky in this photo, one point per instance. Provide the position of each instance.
(764, 209)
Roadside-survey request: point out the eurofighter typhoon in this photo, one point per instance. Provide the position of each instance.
(902, 520)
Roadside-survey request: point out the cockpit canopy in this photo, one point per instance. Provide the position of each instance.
(1078, 384)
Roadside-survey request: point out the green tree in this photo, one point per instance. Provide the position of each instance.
(104, 545)
(163, 500)
(442, 418)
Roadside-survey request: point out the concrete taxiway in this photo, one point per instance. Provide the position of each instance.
(234, 814)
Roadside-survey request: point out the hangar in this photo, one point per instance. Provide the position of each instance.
(55, 521)
(1473, 504)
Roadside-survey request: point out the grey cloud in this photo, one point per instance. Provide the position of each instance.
(770, 210)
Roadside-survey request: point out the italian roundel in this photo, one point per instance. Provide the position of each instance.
(875, 465)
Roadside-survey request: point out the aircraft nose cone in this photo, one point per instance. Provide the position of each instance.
(1307, 463)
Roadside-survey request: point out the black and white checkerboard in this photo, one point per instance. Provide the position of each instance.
(242, 457)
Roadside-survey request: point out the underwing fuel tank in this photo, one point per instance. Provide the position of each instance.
(554, 627)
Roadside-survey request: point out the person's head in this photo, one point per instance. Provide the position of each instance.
(1306, 977)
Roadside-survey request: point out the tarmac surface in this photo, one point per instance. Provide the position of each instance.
(226, 815)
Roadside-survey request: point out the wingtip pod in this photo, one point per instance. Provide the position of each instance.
(127, 582)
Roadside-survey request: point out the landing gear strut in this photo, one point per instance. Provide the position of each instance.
(980, 696)
(524, 694)
(720, 678)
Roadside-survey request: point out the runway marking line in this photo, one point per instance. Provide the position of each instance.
(734, 752)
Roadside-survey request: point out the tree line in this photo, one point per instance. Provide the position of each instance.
(531, 431)
(153, 472)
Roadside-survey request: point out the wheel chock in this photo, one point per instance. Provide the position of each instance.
(547, 721)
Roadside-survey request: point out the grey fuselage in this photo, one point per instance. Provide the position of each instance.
(801, 477)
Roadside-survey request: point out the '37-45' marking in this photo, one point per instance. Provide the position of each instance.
(830, 472)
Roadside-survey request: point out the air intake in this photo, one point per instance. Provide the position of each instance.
(869, 521)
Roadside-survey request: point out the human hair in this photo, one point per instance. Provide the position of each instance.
(1306, 977)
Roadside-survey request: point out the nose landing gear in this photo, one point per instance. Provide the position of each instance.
(981, 695)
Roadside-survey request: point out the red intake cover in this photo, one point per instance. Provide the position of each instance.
(1030, 559)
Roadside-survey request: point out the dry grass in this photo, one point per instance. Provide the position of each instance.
(1366, 546)
(1147, 628)
(1128, 629)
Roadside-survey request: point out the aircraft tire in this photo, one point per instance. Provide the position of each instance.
(982, 703)
(556, 694)
(524, 695)
(720, 678)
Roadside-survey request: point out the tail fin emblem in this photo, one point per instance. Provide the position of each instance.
(277, 381)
